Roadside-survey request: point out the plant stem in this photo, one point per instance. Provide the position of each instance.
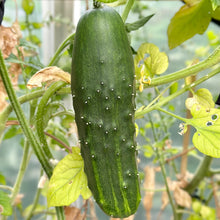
(200, 174)
(22, 119)
(210, 61)
(40, 116)
(96, 4)
(212, 172)
(6, 187)
(22, 169)
(169, 98)
(63, 45)
(161, 161)
(163, 170)
(31, 138)
(35, 202)
(127, 10)
(34, 205)
(186, 137)
(171, 114)
(59, 141)
(25, 98)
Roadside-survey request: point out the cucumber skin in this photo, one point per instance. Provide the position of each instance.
(103, 89)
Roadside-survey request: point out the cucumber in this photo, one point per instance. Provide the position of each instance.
(103, 91)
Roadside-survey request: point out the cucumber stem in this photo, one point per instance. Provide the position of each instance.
(127, 9)
(96, 4)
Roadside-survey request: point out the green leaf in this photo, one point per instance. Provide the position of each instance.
(34, 39)
(28, 6)
(37, 25)
(208, 213)
(2, 179)
(214, 39)
(5, 204)
(188, 21)
(23, 25)
(49, 110)
(148, 151)
(216, 14)
(194, 217)
(27, 44)
(150, 61)
(202, 97)
(68, 181)
(173, 88)
(11, 59)
(196, 206)
(137, 24)
(60, 135)
(215, 4)
(207, 123)
(12, 131)
(107, 1)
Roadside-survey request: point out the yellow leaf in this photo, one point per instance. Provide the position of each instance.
(189, 20)
(48, 75)
(149, 61)
(202, 97)
(68, 181)
(207, 123)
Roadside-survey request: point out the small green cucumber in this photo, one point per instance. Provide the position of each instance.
(103, 90)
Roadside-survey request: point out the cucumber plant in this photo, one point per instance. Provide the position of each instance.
(103, 94)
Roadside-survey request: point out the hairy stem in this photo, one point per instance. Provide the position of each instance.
(40, 116)
(166, 100)
(58, 52)
(22, 119)
(210, 61)
(31, 138)
(25, 98)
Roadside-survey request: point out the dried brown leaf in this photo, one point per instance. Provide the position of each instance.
(172, 184)
(92, 210)
(3, 102)
(73, 213)
(149, 186)
(17, 200)
(14, 71)
(42, 181)
(131, 217)
(9, 38)
(48, 75)
(182, 197)
(165, 200)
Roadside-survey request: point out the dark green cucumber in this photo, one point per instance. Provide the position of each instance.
(103, 90)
